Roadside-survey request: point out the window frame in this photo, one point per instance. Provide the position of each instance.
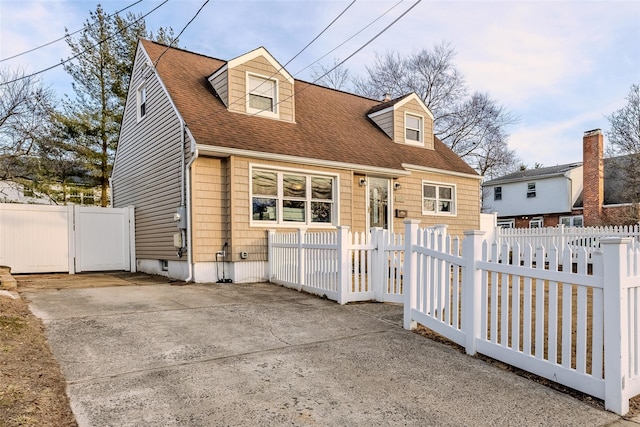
(274, 113)
(506, 223)
(420, 129)
(308, 199)
(497, 193)
(572, 219)
(537, 220)
(531, 190)
(141, 101)
(438, 185)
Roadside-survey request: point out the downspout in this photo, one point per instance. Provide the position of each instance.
(187, 196)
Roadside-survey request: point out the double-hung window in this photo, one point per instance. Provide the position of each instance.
(413, 128)
(282, 197)
(531, 190)
(262, 95)
(141, 101)
(438, 199)
(572, 221)
(497, 193)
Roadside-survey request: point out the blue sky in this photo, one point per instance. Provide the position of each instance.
(560, 66)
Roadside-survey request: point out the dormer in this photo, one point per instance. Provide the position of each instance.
(256, 84)
(406, 120)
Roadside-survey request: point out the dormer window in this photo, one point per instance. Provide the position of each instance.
(262, 95)
(413, 128)
(141, 99)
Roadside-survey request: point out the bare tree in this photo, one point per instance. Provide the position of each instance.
(624, 135)
(335, 76)
(25, 110)
(474, 126)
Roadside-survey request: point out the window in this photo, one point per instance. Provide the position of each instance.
(413, 128)
(438, 199)
(262, 95)
(531, 189)
(572, 221)
(497, 193)
(142, 101)
(536, 223)
(506, 223)
(291, 197)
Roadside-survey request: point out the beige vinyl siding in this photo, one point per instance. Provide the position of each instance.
(409, 198)
(359, 208)
(147, 171)
(221, 87)
(413, 107)
(385, 122)
(238, 87)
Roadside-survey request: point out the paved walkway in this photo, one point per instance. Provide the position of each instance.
(244, 355)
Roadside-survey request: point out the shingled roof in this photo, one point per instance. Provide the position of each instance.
(527, 174)
(330, 125)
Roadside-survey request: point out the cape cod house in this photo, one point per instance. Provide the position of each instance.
(214, 153)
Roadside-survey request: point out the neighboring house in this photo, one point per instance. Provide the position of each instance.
(50, 194)
(214, 153)
(588, 193)
(16, 192)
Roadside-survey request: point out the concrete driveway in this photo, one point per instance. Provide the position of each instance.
(259, 354)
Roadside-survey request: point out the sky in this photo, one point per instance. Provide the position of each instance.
(560, 67)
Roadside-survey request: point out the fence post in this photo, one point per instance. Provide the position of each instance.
(301, 266)
(271, 234)
(471, 282)
(344, 264)
(616, 321)
(131, 210)
(379, 240)
(409, 286)
(73, 247)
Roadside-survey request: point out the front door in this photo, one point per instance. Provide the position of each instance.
(378, 202)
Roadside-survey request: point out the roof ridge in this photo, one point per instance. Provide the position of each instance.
(183, 50)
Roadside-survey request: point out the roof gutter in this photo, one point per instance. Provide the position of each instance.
(227, 151)
(417, 168)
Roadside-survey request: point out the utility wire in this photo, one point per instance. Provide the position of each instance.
(330, 70)
(86, 50)
(65, 36)
(182, 31)
(350, 38)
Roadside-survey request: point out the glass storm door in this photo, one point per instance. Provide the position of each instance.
(378, 202)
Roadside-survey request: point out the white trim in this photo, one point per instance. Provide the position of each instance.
(389, 202)
(410, 167)
(617, 205)
(420, 129)
(141, 93)
(414, 97)
(454, 211)
(221, 70)
(275, 113)
(381, 112)
(537, 219)
(511, 222)
(227, 151)
(261, 51)
(280, 223)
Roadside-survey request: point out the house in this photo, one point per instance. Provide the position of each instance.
(214, 153)
(17, 192)
(596, 191)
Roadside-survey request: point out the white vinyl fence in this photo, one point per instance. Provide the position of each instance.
(341, 265)
(51, 239)
(561, 236)
(491, 300)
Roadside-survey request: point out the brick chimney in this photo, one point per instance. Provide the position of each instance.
(592, 176)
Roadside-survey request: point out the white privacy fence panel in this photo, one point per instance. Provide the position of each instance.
(35, 238)
(52, 239)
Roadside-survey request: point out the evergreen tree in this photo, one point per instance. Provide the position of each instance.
(105, 51)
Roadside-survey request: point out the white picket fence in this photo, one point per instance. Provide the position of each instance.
(341, 265)
(561, 236)
(491, 300)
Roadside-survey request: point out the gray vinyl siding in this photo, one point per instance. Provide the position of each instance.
(385, 122)
(219, 83)
(148, 166)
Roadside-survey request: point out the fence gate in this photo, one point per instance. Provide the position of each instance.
(52, 239)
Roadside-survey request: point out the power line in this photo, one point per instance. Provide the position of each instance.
(350, 38)
(182, 31)
(65, 36)
(330, 70)
(86, 50)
